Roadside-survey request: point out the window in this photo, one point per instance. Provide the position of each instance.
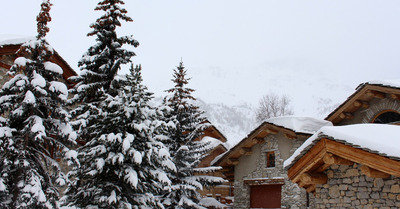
(387, 117)
(270, 159)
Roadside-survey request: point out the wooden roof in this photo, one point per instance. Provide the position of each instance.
(244, 147)
(307, 170)
(56, 58)
(213, 132)
(360, 100)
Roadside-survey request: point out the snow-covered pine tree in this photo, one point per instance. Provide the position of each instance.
(125, 167)
(99, 65)
(185, 148)
(122, 163)
(34, 127)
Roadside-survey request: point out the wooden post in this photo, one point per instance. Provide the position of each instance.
(331, 159)
(314, 178)
(245, 151)
(370, 172)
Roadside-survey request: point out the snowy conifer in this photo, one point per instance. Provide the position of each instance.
(122, 162)
(34, 127)
(185, 148)
(125, 166)
(99, 65)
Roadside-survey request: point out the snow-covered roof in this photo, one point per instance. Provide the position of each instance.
(381, 139)
(6, 39)
(364, 93)
(395, 83)
(290, 126)
(299, 124)
(213, 142)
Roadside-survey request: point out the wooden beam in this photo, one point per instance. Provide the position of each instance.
(290, 136)
(9, 49)
(395, 96)
(233, 161)
(228, 174)
(375, 161)
(370, 172)
(346, 115)
(361, 104)
(323, 167)
(311, 188)
(376, 94)
(331, 159)
(245, 151)
(272, 131)
(301, 184)
(230, 178)
(3, 65)
(259, 140)
(313, 178)
(226, 169)
(311, 158)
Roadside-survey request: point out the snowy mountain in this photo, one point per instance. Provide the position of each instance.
(235, 122)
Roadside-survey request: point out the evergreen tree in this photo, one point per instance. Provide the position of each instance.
(34, 127)
(184, 145)
(122, 163)
(99, 65)
(125, 166)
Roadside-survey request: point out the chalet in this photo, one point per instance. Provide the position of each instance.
(255, 164)
(356, 163)
(216, 195)
(8, 53)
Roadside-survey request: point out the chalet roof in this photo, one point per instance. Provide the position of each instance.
(376, 146)
(306, 125)
(213, 131)
(14, 39)
(213, 142)
(290, 126)
(10, 44)
(360, 98)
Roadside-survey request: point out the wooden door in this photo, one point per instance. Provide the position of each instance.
(265, 196)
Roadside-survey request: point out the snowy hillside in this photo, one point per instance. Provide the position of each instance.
(235, 122)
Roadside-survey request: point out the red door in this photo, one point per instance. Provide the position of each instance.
(265, 196)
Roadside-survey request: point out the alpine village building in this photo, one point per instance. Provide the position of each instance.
(349, 160)
(352, 160)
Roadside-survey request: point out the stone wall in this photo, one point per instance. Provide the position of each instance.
(347, 187)
(376, 106)
(292, 195)
(9, 60)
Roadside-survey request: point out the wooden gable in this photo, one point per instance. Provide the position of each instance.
(213, 132)
(11, 50)
(307, 171)
(244, 147)
(360, 100)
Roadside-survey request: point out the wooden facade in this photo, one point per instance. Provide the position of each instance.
(220, 192)
(8, 53)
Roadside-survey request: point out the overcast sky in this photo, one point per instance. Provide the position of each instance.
(236, 51)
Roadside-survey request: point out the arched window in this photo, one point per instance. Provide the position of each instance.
(388, 116)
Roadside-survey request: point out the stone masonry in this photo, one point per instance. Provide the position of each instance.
(292, 196)
(9, 60)
(348, 188)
